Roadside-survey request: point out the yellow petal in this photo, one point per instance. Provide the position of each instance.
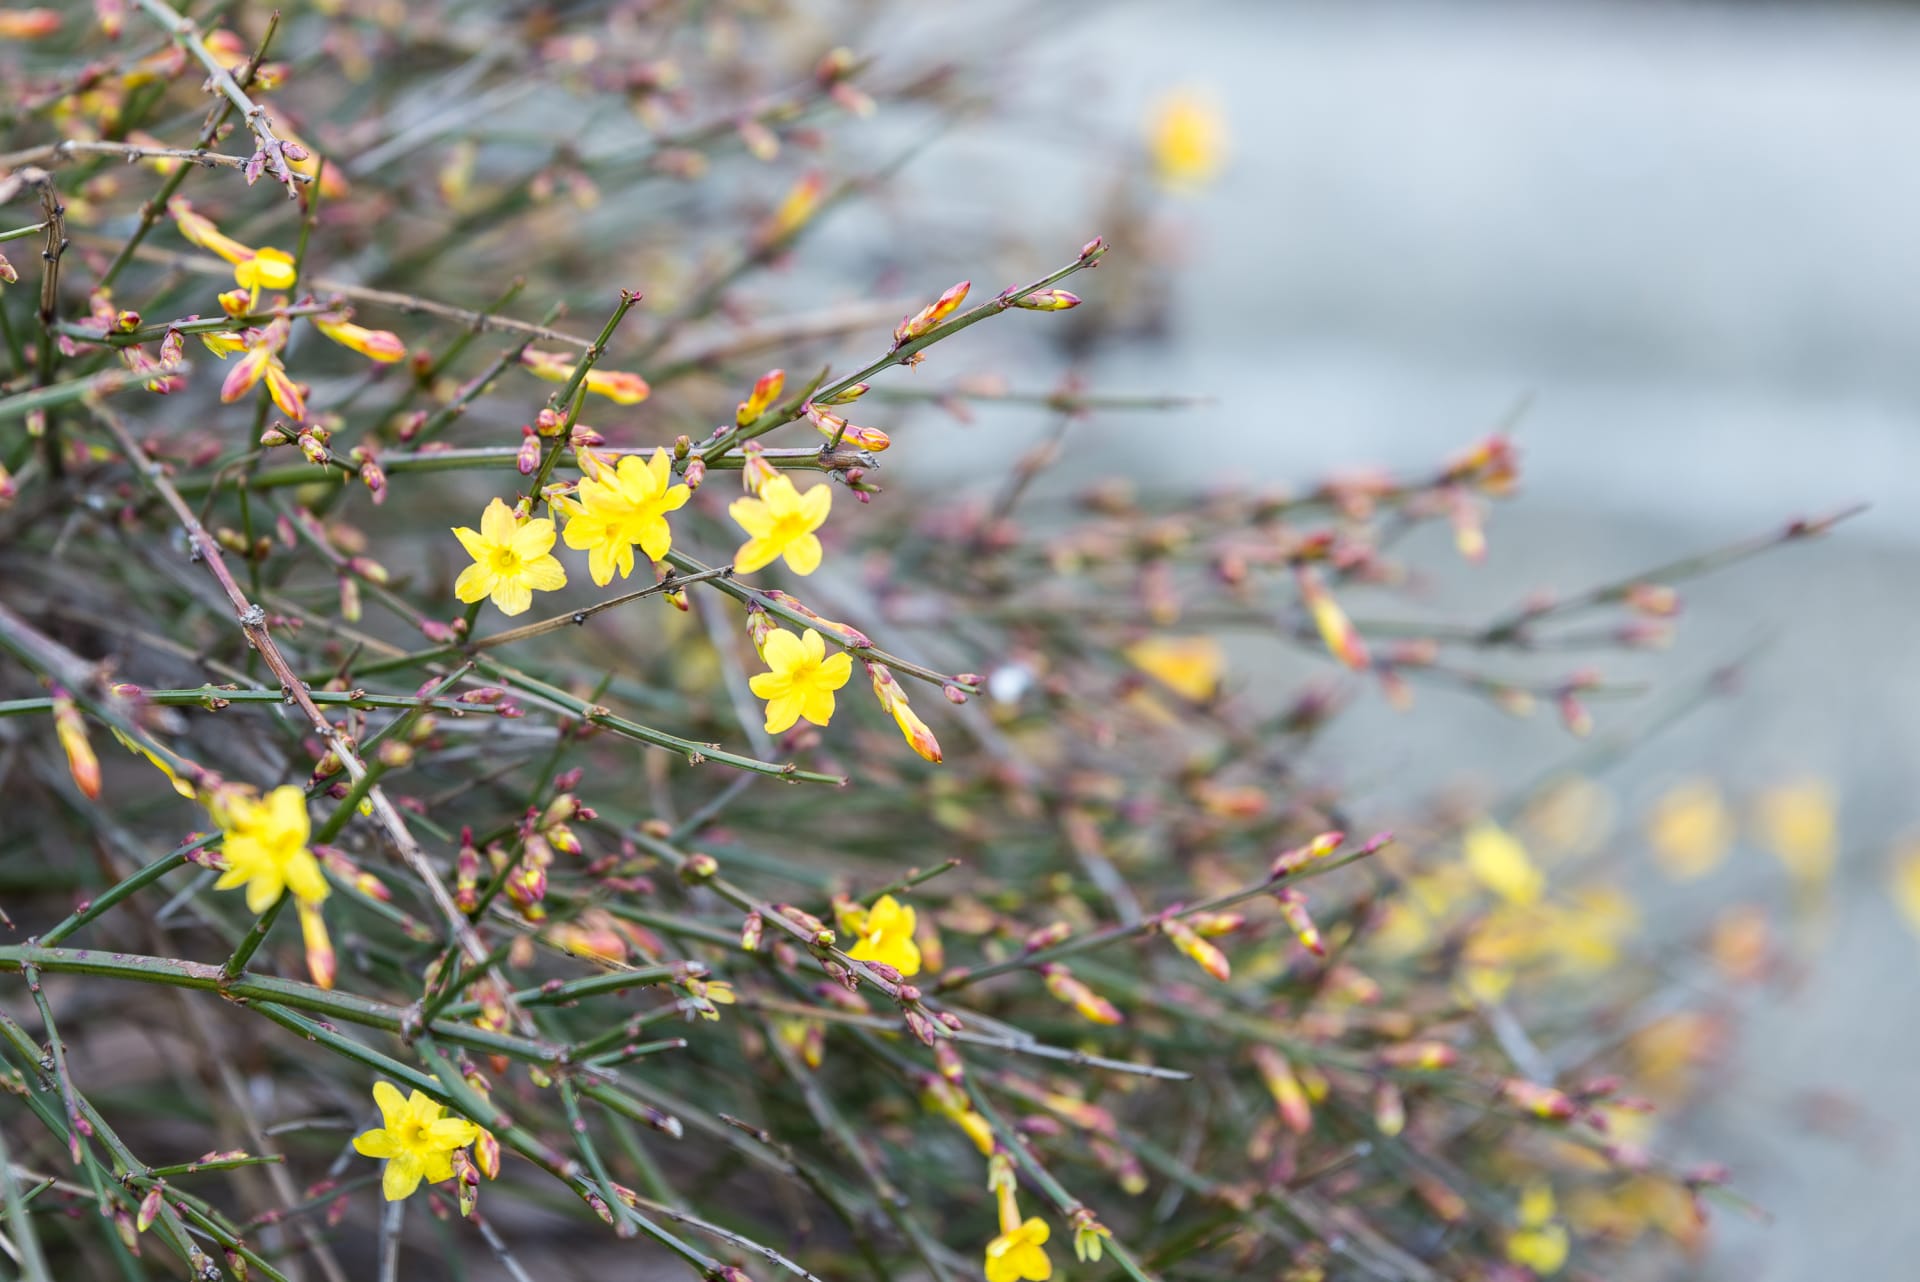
(756, 553)
(783, 711)
(533, 539)
(393, 1105)
(497, 524)
(545, 574)
(401, 1177)
(783, 650)
(375, 1143)
(835, 669)
(512, 596)
(816, 503)
(472, 540)
(476, 583)
(753, 516)
(304, 877)
(804, 554)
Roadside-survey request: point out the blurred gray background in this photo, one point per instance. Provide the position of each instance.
(1688, 233)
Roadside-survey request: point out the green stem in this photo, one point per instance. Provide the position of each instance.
(256, 935)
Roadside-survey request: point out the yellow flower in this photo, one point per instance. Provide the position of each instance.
(1540, 1243)
(802, 681)
(416, 1141)
(266, 847)
(510, 561)
(1189, 666)
(253, 269)
(621, 507)
(1017, 1254)
(1187, 139)
(1690, 829)
(780, 523)
(887, 936)
(1501, 864)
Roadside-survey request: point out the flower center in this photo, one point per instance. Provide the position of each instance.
(504, 560)
(788, 527)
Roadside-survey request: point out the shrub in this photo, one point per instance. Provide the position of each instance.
(966, 905)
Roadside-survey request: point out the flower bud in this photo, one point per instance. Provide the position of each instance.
(764, 393)
(1047, 300)
(70, 728)
(931, 315)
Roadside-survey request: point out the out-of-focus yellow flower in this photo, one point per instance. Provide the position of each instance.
(1586, 934)
(416, 1141)
(266, 847)
(1500, 863)
(511, 561)
(619, 387)
(1906, 882)
(1572, 817)
(1191, 667)
(1540, 1243)
(1796, 821)
(886, 935)
(1667, 1051)
(1690, 829)
(269, 268)
(1186, 139)
(620, 507)
(780, 523)
(802, 679)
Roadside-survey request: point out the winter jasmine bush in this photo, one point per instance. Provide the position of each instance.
(1060, 954)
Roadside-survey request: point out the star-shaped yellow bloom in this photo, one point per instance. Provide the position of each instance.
(511, 561)
(1017, 1254)
(416, 1141)
(887, 937)
(780, 523)
(266, 848)
(620, 507)
(802, 681)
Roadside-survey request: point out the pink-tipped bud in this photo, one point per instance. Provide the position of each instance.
(1293, 907)
(1336, 630)
(1289, 1096)
(764, 393)
(930, 316)
(1203, 953)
